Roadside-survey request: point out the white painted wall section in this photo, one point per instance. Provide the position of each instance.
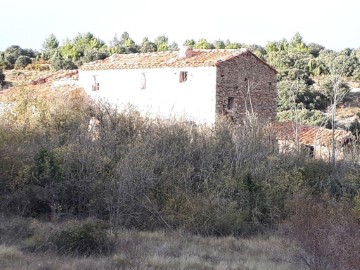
(164, 96)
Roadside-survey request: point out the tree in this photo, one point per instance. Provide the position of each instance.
(50, 45)
(22, 61)
(203, 44)
(219, 44)
(11, 54)
(297, 44)
(93, 55)
(232, 45)
(315, 49)
(123, 45)
(162, 43)
(147, 46)
(189, 43)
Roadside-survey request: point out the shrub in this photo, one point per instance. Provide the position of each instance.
(304, 116)
(14, 230)
(85, 238)
(327, 233)
(2, 77)
(59, 64)
(22, 61)
(93, 55)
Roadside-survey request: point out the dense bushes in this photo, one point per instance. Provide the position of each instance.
(326, 231)
(84, 238)
(149, 174)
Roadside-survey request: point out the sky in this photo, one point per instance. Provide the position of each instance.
(334, 24)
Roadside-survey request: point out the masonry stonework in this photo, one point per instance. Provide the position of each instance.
(245, 84)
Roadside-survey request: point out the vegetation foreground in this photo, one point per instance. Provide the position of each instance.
(130, 192)
(143, 250)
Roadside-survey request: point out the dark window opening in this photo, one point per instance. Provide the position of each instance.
(270, 83)
(231, 103)
(143, 81)
(183, 76)
(96, 86)
(310, 149)
(222, 75)
(246, 79)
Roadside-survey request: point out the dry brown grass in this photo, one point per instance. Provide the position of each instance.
(157, 250)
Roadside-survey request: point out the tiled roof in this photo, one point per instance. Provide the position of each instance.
(61, 74)
(310, 135)
(198, 58)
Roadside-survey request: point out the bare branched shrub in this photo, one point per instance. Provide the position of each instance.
(327, 233)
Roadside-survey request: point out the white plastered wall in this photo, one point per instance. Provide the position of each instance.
(163, 96)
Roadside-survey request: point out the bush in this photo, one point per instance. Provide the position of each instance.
(304, 116)
(59, 64)
(93, 55)
(327, 233)
(2, 77)
(14, 230)
(85, 238)
(22, 61)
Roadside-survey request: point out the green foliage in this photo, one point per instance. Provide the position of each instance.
(123, 45)
(189, 43)
(147, 46)
(45, 169)
(202, 43)
(93, 55)
(219, 44)
(12, 53)
(85, 238)
(58, 64)
(2, 77)
(326, 87)
(50, 47)
(22, 61)
(355, 128)
(303, 116)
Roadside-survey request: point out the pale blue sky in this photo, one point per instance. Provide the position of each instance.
(334, 24)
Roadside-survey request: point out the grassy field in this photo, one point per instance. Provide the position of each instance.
(147, 250)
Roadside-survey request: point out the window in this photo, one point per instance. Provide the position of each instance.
(231, 103)
(96, 86)
(310, 150)
(183, 76)
(143, 81)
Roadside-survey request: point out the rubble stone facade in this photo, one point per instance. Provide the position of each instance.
(246, 84)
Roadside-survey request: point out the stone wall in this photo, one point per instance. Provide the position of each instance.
(246, 84)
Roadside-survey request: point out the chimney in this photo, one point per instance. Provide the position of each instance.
(185, 52)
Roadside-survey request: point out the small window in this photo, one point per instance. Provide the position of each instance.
(96, 86)
(310, 149)
(183, 76)
(246, 79)
(231, 103)
(270, 83)
(143, 81)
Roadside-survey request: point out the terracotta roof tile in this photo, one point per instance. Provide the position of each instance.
(310, 135)
(198, 58)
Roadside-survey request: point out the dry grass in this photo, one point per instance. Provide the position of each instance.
(158, 250)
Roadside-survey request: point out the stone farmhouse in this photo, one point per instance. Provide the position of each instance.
(195, 85)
